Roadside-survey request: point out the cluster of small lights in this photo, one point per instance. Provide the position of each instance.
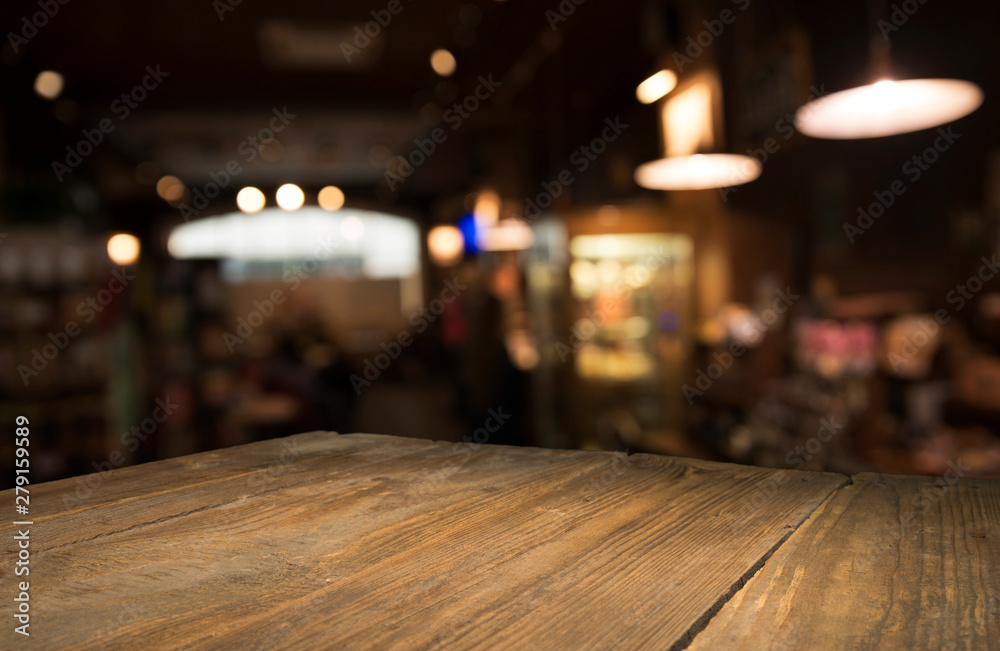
(289, 196)
(251, 200)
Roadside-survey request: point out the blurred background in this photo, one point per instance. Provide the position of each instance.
(500, 222)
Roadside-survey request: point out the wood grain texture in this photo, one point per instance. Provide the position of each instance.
(889, 562)
(367, 541)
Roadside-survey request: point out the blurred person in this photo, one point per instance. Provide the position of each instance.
(491, 379)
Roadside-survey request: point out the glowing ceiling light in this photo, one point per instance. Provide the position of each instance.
(388, 245)
(487, 209)
(445, 245)
(688, 120)
(250, 200)
(123, 249)
(443, 62)
(507, 235)
(48, 84)
(170, 188)
(887, 108)
(290, 197)
(656, 86)
(698, 172)
(331, 198)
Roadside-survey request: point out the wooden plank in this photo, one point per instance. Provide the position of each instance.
(375, 541)
(139, 495)
(889, 562)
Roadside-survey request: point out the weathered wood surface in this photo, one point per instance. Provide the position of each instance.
(888, 562)
(366, 541)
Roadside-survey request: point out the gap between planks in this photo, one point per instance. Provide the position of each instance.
(702, 622)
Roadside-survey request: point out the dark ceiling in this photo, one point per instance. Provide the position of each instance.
(557, 86)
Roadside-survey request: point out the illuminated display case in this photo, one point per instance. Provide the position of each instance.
(612, 290)
(626, 290)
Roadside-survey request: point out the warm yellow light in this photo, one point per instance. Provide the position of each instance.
(687, 121)
(170, 188)
(290, 197)
(443, 62)
(507, 235)
(123, 249)
(331, 198)
(487, 209)
(48, 84)
(656, 86)
(445, 245)
(352, 228)
(887, 108)
(250, 200)
(698, 172)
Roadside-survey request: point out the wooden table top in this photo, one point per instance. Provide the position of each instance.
(367, 541)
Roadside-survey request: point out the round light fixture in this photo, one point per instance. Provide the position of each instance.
(49, 84)
(331, 198)
(445, 245)
(170, 188)
(290, 197)
(698, 172)
(887, 108)
(443, 62)
(123, 249)
(250, 200)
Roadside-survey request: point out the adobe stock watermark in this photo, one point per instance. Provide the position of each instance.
(88, 308)
(424, 148)
(562, 12)
(421, 320)
(128, 615)
(754, 332)
(700, 42)
(223, 7)
(959, 297)
(122, 107)
(828, 428)
(768, 487)
(928, 496)
(495, 420)
(282, 464)
(264, 309)
(785, 126)
(898, 16)
(585, 329)
(913, 168)
(31, 25)
(363, 36)
(580, 159)
(132, 438)
(618, 467)
(964, 292)
(249, 148)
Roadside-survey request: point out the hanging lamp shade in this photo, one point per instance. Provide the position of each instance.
(697, 172)
(887, 108)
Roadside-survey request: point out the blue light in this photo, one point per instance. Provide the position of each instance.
(467, 224)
